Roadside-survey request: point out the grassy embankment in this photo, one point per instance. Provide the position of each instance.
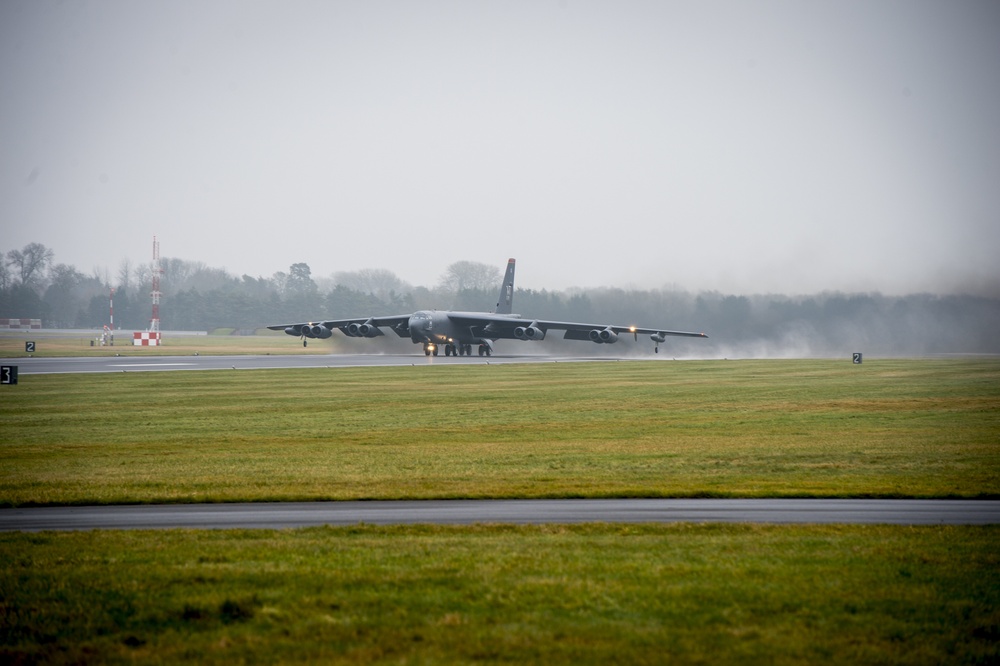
(553, 594)
(652, 429)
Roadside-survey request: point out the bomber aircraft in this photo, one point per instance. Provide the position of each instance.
(459, 332)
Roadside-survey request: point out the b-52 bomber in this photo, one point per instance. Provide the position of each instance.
(459, 332)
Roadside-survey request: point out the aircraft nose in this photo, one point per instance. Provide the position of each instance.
(418, 328)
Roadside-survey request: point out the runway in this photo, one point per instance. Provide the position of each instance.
(467, 512)
(138, 363)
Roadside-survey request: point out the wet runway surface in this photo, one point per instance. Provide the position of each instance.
(126, 363)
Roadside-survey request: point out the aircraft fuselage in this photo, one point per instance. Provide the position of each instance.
(440, 328)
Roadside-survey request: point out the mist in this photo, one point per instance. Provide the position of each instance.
(721, 146)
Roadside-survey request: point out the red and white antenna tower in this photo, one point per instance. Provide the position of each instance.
(154, 323)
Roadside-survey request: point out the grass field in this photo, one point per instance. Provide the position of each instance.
(646, 429)
(502, 594)
(52, 343)
(638, 594)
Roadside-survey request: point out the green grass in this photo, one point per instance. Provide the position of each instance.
(513, 594)
(54, 344)
(505, 594)
(901, 428)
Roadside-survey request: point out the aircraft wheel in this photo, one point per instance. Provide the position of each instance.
(656, 350)
(489, 352)
(435, 350)
(482, 350)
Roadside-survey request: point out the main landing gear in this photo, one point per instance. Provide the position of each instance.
(456, 350)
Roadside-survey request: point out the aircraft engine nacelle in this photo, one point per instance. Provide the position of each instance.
(656, 337)
(605, 336)
(291, 330)
(363, 330)
(529, 333)
(316, 331)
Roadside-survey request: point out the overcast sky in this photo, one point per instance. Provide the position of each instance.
(738, 146)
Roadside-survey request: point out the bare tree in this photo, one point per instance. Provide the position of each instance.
(463, 275)
(378, 281)
(125, 275)
(31, 263)
(4, 272)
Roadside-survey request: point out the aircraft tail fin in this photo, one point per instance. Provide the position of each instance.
(505, 302)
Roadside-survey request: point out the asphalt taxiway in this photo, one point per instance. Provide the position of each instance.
(463, 512)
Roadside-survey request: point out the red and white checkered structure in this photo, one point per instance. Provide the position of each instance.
(15, 324)
(146, 339)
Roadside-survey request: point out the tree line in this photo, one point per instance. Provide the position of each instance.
(199, 297)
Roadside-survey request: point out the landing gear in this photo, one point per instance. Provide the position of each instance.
(458, 350)
(430, 349)
(484, 351)
(305, 343)
(656, 350)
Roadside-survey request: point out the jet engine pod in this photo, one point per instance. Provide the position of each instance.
(318, 331)
(657, 337)
(368, 330)
(605, 336)
(365, 330)
(291, 330)
(529, 333)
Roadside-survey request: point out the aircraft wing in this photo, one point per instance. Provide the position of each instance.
(583, 331)
(358, 327)
(517, 328)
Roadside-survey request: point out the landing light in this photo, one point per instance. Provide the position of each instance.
(631, 329)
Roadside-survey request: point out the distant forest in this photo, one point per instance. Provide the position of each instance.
(197, 297)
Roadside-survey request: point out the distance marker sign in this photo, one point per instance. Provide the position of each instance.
(8, 374)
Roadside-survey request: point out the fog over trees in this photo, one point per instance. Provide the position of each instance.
(199, 297)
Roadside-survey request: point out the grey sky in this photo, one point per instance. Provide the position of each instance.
(740, 146)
